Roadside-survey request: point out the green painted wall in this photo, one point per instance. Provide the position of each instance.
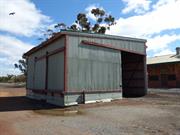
(92, 68)
(36, 70)
(56, 72)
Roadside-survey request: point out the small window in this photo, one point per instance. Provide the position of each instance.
(171, 77)
(153, 78)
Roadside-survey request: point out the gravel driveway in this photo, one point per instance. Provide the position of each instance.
(156, 113)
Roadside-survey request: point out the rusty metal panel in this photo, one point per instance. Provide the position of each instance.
(91, 67)
(56, 72)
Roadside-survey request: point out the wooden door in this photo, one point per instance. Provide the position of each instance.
(164, 80)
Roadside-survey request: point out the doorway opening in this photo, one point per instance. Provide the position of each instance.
(133, 75)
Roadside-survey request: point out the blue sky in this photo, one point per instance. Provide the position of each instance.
(157, 21)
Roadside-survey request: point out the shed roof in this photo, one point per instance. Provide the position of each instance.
(83, 34)
(163, 59)
(88, 34)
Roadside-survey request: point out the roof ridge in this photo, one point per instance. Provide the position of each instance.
(161, 55)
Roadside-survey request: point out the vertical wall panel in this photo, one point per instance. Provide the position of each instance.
(40, 71)
(56, 71)
(30, 73)
(91, 67)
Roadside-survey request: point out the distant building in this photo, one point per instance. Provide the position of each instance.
(164, 71)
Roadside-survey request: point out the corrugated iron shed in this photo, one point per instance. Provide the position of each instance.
(74, 67)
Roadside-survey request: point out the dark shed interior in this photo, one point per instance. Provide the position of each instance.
(133, 75)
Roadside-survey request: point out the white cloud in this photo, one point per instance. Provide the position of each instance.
(26, 21)
(161, 43)
(88, 11)
(12, 47)
(138, 6)
(164, 52)
(164, 16)
(161, 3)
(11, 50)
(5, 71)
(89, 14)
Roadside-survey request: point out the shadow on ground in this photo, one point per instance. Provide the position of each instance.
(21, 103)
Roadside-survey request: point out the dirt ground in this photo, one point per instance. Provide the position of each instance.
(156, 113)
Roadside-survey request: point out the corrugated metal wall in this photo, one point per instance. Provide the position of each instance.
(39, 74)
(89, 67)
(56, 71)
(30, 72)
(92, 68)
(131, 44)
(36, 69)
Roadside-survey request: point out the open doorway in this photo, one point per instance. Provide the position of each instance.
(133, 75)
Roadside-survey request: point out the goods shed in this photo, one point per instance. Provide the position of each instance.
(76, 67)
(164, 71)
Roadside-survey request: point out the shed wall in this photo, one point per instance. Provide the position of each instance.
(163, 75)
(92, 68)
(37, 68)
(30, 73)
(88, 68)
(131, 44)
(56, 72)
(39, 74)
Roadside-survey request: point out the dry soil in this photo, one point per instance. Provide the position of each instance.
(156, 113)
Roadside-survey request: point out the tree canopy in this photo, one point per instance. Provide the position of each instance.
(82, 23)
(102, 22)
(22, 66)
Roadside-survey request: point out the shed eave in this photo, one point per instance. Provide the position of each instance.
(43, 44)
(62, 33)
(170, 62)
(104, 36)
